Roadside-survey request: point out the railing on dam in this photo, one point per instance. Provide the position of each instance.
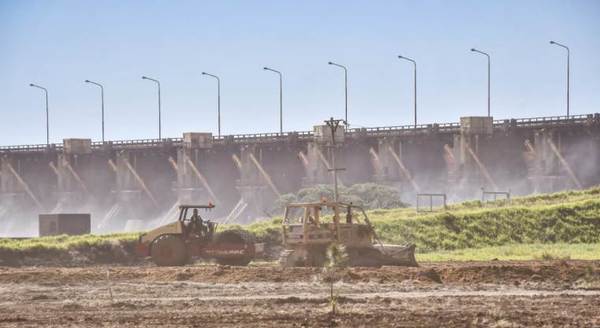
(533, 122)
(546, 120)
(263, 137)
(401, 129)
(29, 148)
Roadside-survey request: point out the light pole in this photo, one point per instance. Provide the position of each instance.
(415, 83)
(218, 101)
(280, 97)
(47, 115)
(159, 121)
(102, 101)
(568, 72)
(488, 71)
(345, 90)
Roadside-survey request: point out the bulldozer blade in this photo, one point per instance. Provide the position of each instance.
(398, 255)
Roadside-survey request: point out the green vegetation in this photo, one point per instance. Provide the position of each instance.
(577, 222)
(367, 195)
(69, 250)
(333, 271)
(517, 252)
(64, 242)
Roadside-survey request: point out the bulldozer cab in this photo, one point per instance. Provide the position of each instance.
(193, 223)
(321, 223)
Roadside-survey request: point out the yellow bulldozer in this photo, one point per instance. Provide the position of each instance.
(174, 244)
(310, 228)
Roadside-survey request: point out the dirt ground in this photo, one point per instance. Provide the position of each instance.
(474, 294)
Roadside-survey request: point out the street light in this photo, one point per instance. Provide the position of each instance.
(280, 97)
(488, 68)
(102, 101)
(218, 101)
(568, 72)
(345, 89)
(415, 84)
(159, 121)
(47, 115)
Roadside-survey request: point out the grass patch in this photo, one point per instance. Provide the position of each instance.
(64, 242)
(574, 222)
(69, 250)
(517, 252)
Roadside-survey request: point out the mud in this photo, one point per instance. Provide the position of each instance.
(477, 294)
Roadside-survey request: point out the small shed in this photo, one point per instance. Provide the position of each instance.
(67, 224)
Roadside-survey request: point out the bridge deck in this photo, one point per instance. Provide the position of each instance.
(402, 130)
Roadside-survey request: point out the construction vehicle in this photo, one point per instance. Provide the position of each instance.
(174, 244)
(310, 228)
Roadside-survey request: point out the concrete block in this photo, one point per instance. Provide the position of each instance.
(477, 125)
(197, 140)
(322, 134)
(68, 224)
(77, 146)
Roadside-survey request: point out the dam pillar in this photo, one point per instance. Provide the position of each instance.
(315, 165)
(11, 190)
(317, 159)
(25, 191)
(71, 189)
(386, 167)
(544, 162)
(192, 185)
(12, 197)
(468, 172)
(256, 188)
(132, 200)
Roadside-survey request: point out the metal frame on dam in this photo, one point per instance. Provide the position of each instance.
(128, 184)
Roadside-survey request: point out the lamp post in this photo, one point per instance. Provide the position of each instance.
(218, 101)
(102, 102)
(345, 90)
(568, 72)
(488, 71)
(415, 83)
(159, 120)
(47, 115)
(280, 97)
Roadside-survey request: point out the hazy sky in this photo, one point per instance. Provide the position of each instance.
(59, 44)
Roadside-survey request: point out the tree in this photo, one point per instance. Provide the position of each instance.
(337, 262)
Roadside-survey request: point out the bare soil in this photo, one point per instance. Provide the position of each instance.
(472, 294)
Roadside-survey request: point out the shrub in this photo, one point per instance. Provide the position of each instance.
(367, 195)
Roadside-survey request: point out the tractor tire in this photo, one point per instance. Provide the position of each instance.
(169, 250)
(240, 237)
(241, 261)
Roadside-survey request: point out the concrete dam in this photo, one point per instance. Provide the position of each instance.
(130, 185)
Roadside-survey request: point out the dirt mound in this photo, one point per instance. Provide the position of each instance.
(512, 273)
